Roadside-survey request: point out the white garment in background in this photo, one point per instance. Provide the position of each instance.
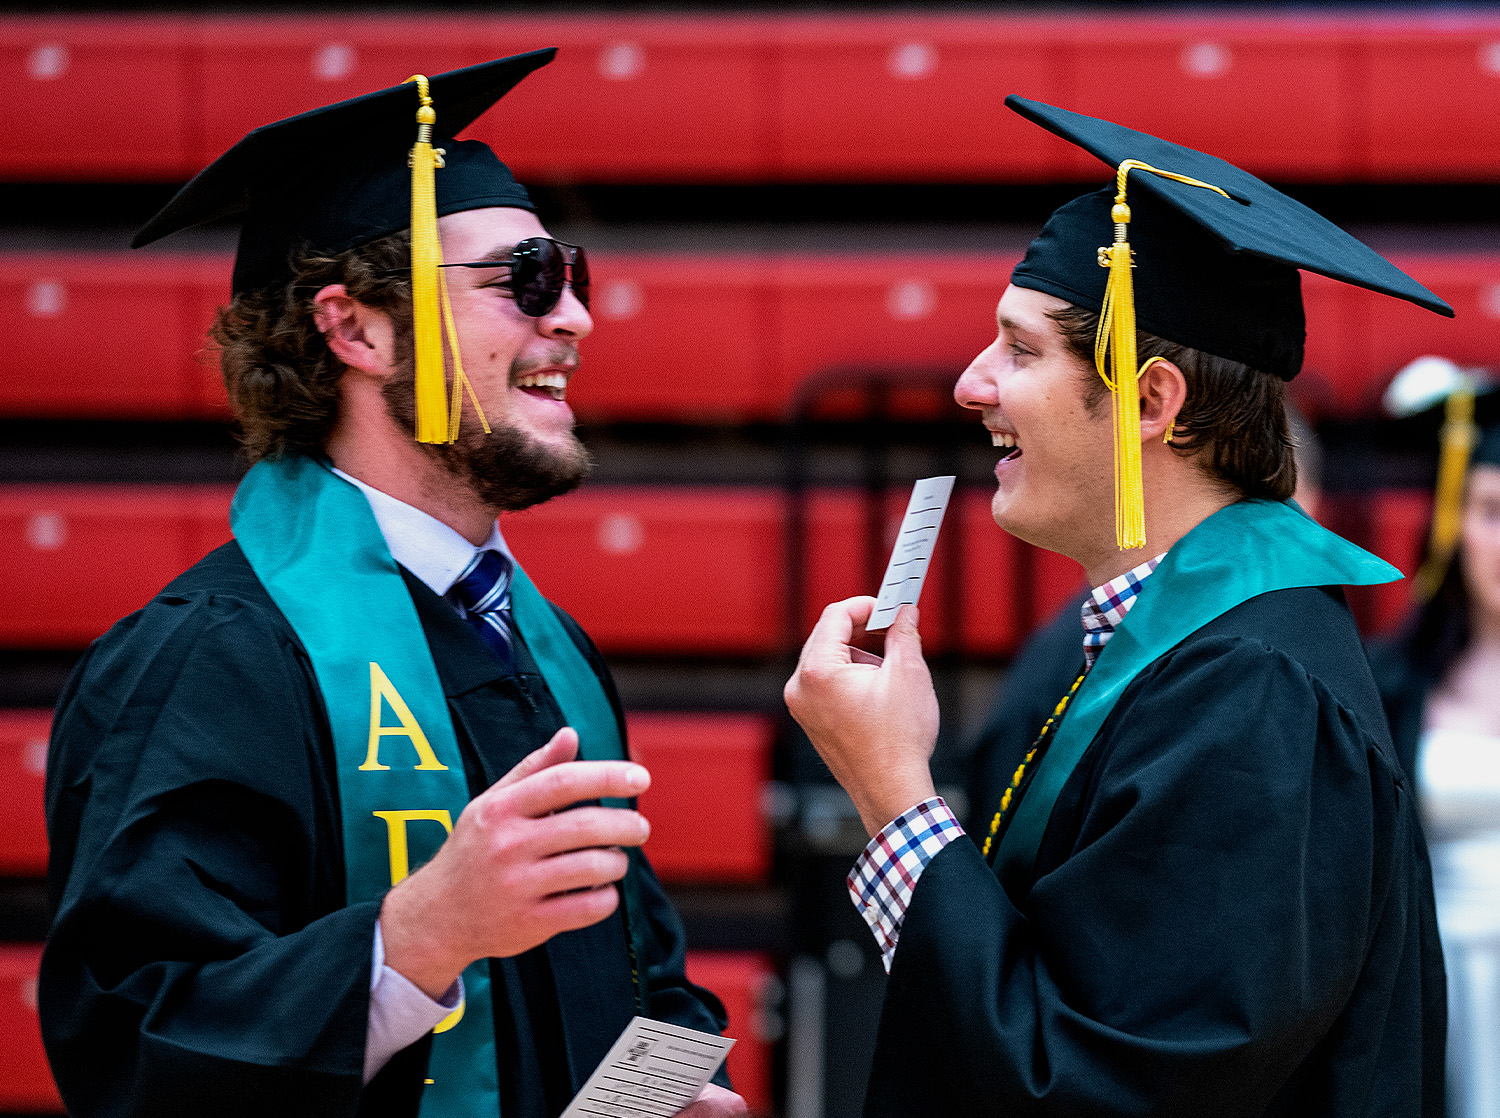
(1459, 776)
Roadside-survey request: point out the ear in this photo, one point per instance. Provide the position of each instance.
(360, 336)
(1163, 392)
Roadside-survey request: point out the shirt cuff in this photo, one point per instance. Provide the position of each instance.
(400, 1013)
(882, 880)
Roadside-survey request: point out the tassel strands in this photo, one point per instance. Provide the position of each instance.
(426, 257)
(1115, 359)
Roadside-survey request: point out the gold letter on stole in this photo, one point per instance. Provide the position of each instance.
(382, 688)
(395, 829)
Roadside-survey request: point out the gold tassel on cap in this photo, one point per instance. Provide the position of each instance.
(433, 423)
(1460, 433)
(1115, 357)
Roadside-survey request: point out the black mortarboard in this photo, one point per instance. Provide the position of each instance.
(348, 173)
(1215, 273)
(1200, 253)
(337, 176)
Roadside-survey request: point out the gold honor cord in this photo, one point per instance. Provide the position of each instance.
(1459, 436)
(1115, 358)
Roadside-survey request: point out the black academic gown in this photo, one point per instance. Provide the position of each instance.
(1230, 913)
(202, 959)
(1041, 673)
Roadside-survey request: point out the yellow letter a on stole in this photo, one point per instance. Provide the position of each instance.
(382, 688)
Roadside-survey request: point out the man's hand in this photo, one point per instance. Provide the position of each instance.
(521, 866)
(714, 1102)
(873, 722)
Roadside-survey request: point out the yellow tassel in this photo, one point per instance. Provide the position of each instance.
(1458, 439)
(1115, 359)
(426, 256)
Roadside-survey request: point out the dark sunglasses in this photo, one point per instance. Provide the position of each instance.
(539, 270)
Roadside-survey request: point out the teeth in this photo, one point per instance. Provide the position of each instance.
(999, 438)
(542, 380)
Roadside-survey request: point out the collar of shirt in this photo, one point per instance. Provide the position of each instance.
(1107, 605)
(422, 543)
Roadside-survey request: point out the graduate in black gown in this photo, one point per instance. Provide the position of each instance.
(321, 843)
(1205, 891)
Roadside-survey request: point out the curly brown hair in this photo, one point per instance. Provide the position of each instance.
(283, 380)
(1234, 414)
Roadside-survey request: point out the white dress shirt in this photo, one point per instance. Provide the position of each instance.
(400, 1013)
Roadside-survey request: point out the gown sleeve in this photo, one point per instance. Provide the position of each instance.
(201, 957)
(1226, 860)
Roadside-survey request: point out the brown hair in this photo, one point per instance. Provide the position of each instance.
(1233, 420)
(283, 381)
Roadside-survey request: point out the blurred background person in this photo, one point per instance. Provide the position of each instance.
(1439, 677)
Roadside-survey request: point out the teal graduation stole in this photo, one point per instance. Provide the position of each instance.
(1242, 551)
(313, 542)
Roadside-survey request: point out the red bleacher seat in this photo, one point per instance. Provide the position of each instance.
(744, 980)
(796, 97)
(763, 326)
(657, 569)
(1272, 94)
(98, 98)
(23, 757)
(664, 570)
(1393, 524)
(25, 1080)
(113, 335)
(78, 558)
(878, 97)
(708, 772)
(1452, 135)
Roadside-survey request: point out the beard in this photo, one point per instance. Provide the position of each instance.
(509, 468)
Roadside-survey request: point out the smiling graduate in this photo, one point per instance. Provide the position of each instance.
(1204, 891)
(326, 820)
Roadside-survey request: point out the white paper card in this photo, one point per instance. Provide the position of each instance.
(653, 1069)
(907, 570)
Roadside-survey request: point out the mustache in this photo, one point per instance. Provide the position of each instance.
(560, 356)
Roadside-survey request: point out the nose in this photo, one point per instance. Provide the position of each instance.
(569, 320)
(976, 385)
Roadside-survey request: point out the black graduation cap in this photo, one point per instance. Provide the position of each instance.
(1213, 271)
(338, 176)
(1194, 250)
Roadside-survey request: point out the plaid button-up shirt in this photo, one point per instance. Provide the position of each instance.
(884, 876)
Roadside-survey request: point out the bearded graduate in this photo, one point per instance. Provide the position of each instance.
(341, 821)
(1204, 891)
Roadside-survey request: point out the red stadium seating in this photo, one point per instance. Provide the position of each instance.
(707, 775)
(752, 97)
(23, 757)
(1393, 524)
(109, 335)
(124, 335)
(99, 98)
(674, 570)
(875, 96)
(25, 1081)
(744, 980)
(56, 540)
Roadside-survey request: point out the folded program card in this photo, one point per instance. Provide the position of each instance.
(654, 1069)
(907, 570)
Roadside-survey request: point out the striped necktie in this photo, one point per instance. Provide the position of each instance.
(483, 590)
